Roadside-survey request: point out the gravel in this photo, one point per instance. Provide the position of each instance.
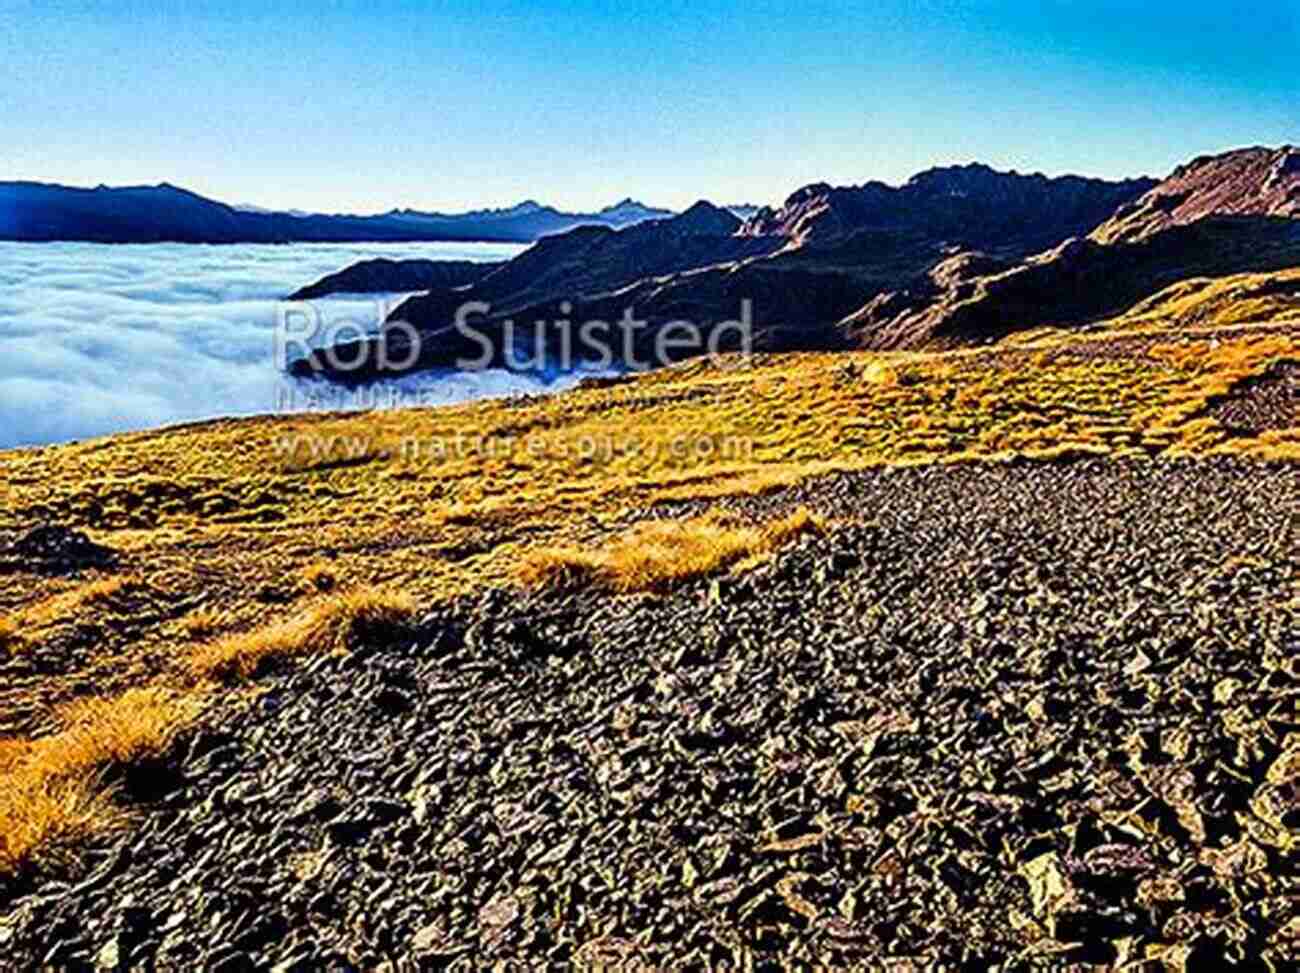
(1020, 716)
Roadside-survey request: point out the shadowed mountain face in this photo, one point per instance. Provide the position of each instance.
(159, 214)
(1079, 281)
(971, 206)
(1215, 216)
(961, 255)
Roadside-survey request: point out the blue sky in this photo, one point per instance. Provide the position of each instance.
(364, 106)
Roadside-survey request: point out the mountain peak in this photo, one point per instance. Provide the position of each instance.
(629, 212)
(704, 217)
(1256, 181)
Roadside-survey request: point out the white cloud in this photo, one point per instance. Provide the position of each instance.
(97, 339)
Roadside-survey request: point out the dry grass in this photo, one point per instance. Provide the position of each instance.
(55, 791)
(95, 595)
(235, 507)
(334, 623)
(105, 589)
(658, 554)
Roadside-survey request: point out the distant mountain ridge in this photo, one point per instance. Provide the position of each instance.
(44, 212)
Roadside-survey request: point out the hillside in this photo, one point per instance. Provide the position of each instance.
(381, 275)
(973, 657)
(586, 270)
(1258, 182)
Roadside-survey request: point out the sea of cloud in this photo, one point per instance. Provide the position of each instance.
(97, 339)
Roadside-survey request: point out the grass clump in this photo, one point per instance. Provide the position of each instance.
(335, 623)
(98, 595)
(11, 639)
(106, 589)
(55, 791)
(658, 554)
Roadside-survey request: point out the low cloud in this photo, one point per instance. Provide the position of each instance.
(98, 339)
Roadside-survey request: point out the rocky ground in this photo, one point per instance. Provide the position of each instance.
(1269, 402)
(1024, 716)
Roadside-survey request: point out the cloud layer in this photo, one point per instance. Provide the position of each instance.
(97, 339)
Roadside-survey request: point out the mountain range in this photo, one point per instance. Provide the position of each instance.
(958, 255)
(33, 211)
(1212, 217)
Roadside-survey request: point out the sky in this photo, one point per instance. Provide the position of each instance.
(362, 107)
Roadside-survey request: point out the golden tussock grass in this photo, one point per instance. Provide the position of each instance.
(736, 482)
(657, 554)
(56, 790)
(94, 595)
(11, 749)
(1273, 446)
(335, 623)
(467, 514)
(105, 589)
(1219, 301)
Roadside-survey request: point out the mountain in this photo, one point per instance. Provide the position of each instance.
(971, 205)
(804, 267)
(250, 208)
(962, 658)
(31, 211)
(628, 212)
(1254, 182)
(1215, 216)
